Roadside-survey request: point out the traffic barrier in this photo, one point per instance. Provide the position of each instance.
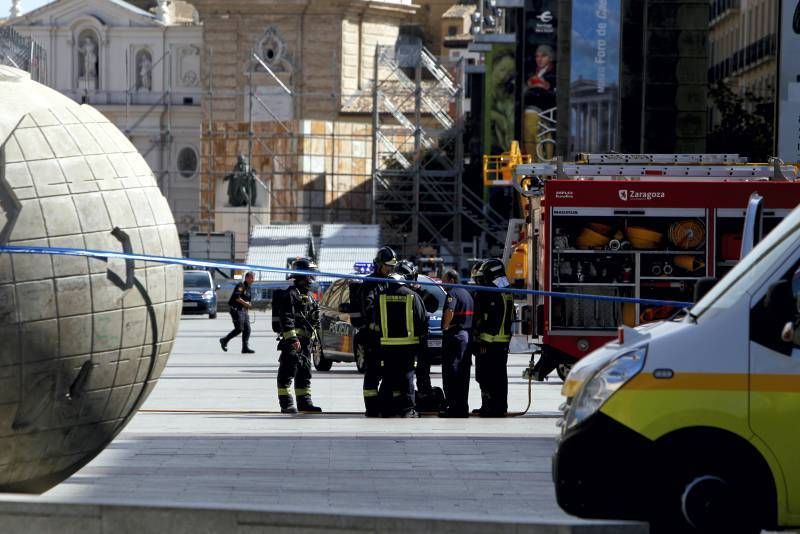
(188, 262)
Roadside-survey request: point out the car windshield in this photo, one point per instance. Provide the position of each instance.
(436, 291)
(754, 265)
(196, 280)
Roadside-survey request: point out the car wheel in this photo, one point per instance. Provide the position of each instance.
(703, 502)
(563, 370)
(361, 358)
(320, 362)
(212, 315)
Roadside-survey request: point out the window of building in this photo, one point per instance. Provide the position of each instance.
(452, 30)
(187, 162)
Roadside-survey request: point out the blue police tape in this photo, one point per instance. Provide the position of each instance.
(188, 262)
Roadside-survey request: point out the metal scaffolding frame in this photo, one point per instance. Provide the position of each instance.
(23, 53)
(282, 144)
(417, 150)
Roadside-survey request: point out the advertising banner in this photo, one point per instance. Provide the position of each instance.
(789, 83)
(539, 78)
(595, 76)
(499, 109)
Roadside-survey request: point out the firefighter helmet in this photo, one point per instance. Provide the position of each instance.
(491, 270)
(303, 264)
(385, 256)
(407, 270)
(475, 273)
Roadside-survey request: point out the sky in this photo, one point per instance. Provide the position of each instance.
(26, 5)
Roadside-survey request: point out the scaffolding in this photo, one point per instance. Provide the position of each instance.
(23, 53)
(312, 169)
(417, 150)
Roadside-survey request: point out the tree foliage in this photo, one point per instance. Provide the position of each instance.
(741, 131)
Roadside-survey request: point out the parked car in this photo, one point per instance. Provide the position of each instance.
(338, 334)
(199, 293)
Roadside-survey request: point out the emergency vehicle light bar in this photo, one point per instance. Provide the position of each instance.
(362, 267)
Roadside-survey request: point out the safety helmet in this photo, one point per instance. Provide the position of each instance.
(303, 264)
(491, 270)
(385, 256)
(475, 272)
(407, 270)
(399, 277)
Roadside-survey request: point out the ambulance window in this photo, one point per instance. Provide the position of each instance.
(772, 312)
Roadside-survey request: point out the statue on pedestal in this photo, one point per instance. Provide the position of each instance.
(241, 184)
(87, 67)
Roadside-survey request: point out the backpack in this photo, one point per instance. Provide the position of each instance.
(278, 296)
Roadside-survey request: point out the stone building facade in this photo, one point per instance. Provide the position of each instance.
(743, 41)
(141, 69)
(311, 131)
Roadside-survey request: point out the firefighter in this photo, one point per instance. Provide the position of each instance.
(369, 336)
(298, 314)
(472, 349)
(456, 358)
(494, 314)
(427, 398)
(403, 325)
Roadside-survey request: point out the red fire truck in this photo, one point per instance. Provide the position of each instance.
(640, 226)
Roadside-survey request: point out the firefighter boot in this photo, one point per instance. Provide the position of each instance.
(372, 406)
(286, 401)
(305, 405)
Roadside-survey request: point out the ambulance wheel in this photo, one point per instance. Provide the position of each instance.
(320, 362)
(360, 355)
(700, 490)
(563, 370)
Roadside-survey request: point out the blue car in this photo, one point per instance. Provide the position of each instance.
(338, 334)
(199, 294)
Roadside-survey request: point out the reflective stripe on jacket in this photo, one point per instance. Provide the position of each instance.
(389, 334)
(490, 329)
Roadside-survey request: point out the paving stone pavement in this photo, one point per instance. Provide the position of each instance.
(448, 468)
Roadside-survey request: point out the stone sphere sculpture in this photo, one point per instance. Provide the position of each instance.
(82, 341)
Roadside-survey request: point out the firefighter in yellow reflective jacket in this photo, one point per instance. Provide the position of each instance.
(494, 314)
(403, 325)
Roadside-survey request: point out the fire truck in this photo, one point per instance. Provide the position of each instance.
(644, 226)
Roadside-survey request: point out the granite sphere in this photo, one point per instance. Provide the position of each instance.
(82, 341)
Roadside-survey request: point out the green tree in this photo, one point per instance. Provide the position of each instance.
(740, 131)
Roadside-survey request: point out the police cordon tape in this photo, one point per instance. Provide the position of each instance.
(188, 262)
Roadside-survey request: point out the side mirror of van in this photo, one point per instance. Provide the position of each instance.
(702, 287)
(344, 307)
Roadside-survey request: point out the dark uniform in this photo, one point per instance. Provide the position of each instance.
(298, 313)
(369, 338)
(403, 324)
(494, 314)
(456, 358)
(240, 317)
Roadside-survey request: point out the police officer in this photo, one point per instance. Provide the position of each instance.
(298, 314)
(403, 326)
(239, 303)
(369, 336)
(456, 359)
(494, 314)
